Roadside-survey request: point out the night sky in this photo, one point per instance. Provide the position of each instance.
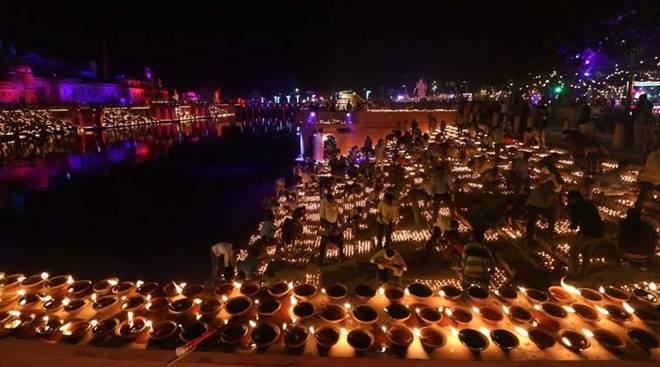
(271, 46)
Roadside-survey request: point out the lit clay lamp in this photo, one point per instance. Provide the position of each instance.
(233, 333)
(645, 296)
(31, 301)
(157, 307)
(648, 315)
(591, 295)
(326, 337)
(34, 282)
(364, 314)
(541, 338)
(609, 340)
(573, 340)
(473, 340)
(104, 287)
(209, 308)
(477, 294)
(125, 288)
(336, 292)
(489, 314)
(450, 292)
(224, 288)
(250, 289)
(504, 339)
(75, 306)
(163, 332)
(459, 315)
(304, 291)
(420, 291)
(52, 305)
(333, 313)
(364, 292)
(75, 330)
(193, 290)
(280, 289)
(394, 294)
(181, 307)
(561, 295)
(535, 295)
(304, 310)
(172, 290)
(398, 312)
(585, 312)
(615, 294)
(553, 311)
(506, 294)
(11, 282)
(146, 289)
(48, 327)
(79, 288)
(18, 321)
(429, 315)
(239, 305)
(104, 329)
(57, 286)
(615, 313)
(106, 306)
(133, 304)
(432, 338)
(264, 335)
(400, 338)
(643, 338)
(268, 306)
(133, 327)
(518, 314)
(193, 331)
(295, 337)
(360, 340)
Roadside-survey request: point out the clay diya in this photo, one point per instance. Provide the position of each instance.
(326, 337)
(239, 305)
(74, 330)
(193, 290)
(47, 327)
(268, 306)
(573, 340)
(172, 290)
(147, 289)
(394, 294)
(224, 288)
(398, 312)
(193, 331)
(590, 295)
(420, 291)
(123, 288)
(506, 294)
(75, 306)
(336, 291)
(304, 310)
(52, 305)
(295, 337)
(460, 316)
(133, 304)
(615, 313)
(181, 306)
(586, 313)
(233, 333)
(400, 337)
(644, 295)
(432, 338)
(609, 340)
(364, 292)
(279, 289)
(615, 294)
(157, 306)
(106, 304)
(450, 292)
(553, 311)
(58, 285)
(132, 327)
(209, 308)
(560, 294)
(104, 287)
(473, 339)
(34, 282)
(250, 289)
(643, 338)
(477, 294)
(364, 314)
(18, 321)
(163, 331)
(264, 334)
(332, 313)
(648, 315)
(11, 282)
(504, 339)
(304, 291)
(518, 314)
(31, 300)
(104, 328)
(541, 338)
(535, 295)
(429, 315)
(360, 340)
(79, 288)
(489, 314)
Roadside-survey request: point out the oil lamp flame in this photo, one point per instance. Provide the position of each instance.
(284, 326)
(15, 313)
(252, 323)
(21, 292)
(417, 332)
(475, 309)
(484, 330)
(569, 309)
(344, 332)
(454, 331)
(629, 309)
(601, 289)
(311, 330)
(94, 297)
(602, 310)
(521, 331)
(21, 279)
(505, 308)
(566, 341)
(66, 301)
(69, 280)
(569, 288)
(587, 332)
(237, 285)
(653, 286)
(148, 324)
(381, 290)
(224, 298)
(139, 283)
(130, 319)
(290, 285)
(65, 329)
(197, 301)
(347, 305)
(44, 275)
(449, 311)
(94, 322)
(112, 282)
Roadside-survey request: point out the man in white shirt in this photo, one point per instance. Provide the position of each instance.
(222, 269)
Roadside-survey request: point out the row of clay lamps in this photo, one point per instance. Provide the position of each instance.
(127, 310)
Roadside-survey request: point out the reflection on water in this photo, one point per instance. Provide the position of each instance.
(35, 164)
